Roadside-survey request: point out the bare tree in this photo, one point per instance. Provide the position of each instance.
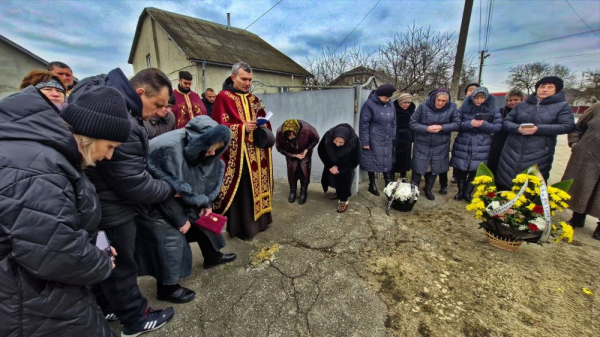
(327, 66)
(590, 87)
(524, 76)
(419, 59)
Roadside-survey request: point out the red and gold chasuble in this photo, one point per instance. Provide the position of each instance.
(233, 110)
(187, 106)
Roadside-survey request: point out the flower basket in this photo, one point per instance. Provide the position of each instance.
(403, 206)
(402, 195)
(502, 243)
(522, 214)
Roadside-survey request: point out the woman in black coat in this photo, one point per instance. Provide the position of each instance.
(513, 97)
(533, 126)
(432, 123)
(49, 212)
(189, 160)
(479, 118)
(377, 132)
(340, 152)
(403, 142)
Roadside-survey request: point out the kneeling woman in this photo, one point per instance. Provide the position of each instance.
(340, 152)
(189, 159)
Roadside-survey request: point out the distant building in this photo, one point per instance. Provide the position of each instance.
(15, 63)
(362, 75)
(173, 42)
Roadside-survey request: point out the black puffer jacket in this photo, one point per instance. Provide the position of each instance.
(48, 214)
(123, 182)
(472, 145)
(553, 117)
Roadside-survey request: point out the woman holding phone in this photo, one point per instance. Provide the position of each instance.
(50, 211)
(479, 119)
(533, 126)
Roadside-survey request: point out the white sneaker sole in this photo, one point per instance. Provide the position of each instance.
(139, 333)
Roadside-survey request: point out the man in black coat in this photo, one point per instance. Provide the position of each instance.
(122, 183)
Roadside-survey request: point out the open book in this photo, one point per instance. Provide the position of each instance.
(263, 120)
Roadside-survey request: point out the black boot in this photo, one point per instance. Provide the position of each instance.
(402, 174)
(372, 185)
(577, 220)
(460, 182)
(429, 181)
(388, 178)
(293, 189)
(303, 192)
(468, 191)
(596, 234)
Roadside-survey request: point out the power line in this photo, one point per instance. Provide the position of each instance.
(480, 15)
(582, 20)
(235, 35)
(542, 41)
(363, 19)
(489, 24)
(553, 58)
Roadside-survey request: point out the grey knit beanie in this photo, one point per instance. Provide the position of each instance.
(100, 113)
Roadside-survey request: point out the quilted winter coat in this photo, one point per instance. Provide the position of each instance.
(472, 145)
(377, 130)
(431, 151)
(553, 117)
(49, 213)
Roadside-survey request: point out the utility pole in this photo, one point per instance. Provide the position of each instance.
(460, 50)
(482, 58)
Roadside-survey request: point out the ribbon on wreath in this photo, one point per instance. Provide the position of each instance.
(534, 170)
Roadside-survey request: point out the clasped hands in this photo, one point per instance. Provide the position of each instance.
(300, 155)
(434, 128)
(203, 212)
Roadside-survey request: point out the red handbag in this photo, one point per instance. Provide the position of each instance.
(212, 222)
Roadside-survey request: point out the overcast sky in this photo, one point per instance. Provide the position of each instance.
(95, 36)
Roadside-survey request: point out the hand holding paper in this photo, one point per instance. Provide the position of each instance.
(263, 120)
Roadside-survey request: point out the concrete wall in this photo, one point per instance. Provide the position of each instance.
(323, 109)
(14, 65)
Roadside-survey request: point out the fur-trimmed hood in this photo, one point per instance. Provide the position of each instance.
(177, 158)
(489, 106)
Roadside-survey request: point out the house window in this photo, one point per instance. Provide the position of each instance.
(284, 89)
(148, 61)
(357, 79)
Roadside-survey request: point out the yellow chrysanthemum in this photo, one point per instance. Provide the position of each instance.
(567, 232)
(564, 204)
(587, 291)
(531, 206)
(478, 214)
(482, 180)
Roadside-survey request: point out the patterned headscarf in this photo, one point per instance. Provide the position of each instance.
(291, 125)
(51, 84)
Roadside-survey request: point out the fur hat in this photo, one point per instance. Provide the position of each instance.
(557, 81)
(481, 90)
(386, 90)
(100, 113)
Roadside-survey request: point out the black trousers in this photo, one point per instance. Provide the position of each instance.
(444, 179)
(209, 252)
(120, 292)
(468, 176)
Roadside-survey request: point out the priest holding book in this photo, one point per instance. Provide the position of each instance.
(247, 190)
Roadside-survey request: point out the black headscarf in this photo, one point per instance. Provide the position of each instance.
(346, 132)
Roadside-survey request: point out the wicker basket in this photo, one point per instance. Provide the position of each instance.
(502, 243)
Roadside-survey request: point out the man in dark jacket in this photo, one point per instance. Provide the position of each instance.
(122, 183)
(208, 97)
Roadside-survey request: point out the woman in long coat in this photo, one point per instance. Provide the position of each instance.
(50, 213)
(189, 160)
(584, 168)
(472, 145)
(296, 140)
(340, 152)
(377, 132)
(403, 142)
(550, 115)
(432, 124)
(513, 97)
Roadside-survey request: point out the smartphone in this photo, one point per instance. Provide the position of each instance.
(527, 125)
(103, 243)
(483, 117)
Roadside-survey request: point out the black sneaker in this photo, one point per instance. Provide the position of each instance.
(152, 320)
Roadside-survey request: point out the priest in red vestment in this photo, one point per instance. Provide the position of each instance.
(247, 190)
(188, 104)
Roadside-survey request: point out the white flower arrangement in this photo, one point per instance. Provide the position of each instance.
(403, 193)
